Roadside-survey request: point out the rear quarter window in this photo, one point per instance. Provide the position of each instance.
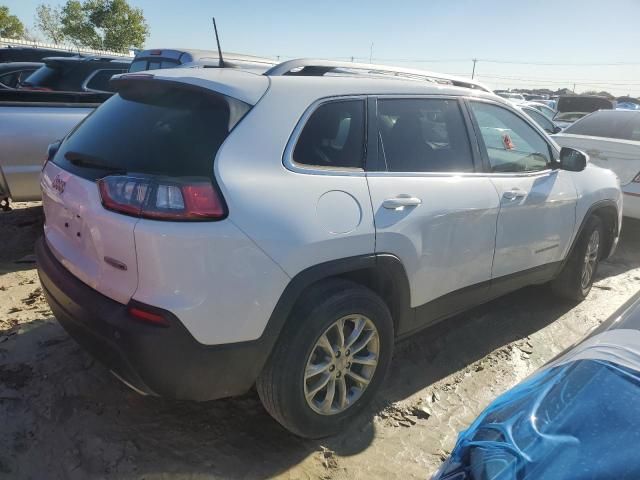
(333, 136)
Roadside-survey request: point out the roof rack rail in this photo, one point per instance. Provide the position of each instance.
(313, 67)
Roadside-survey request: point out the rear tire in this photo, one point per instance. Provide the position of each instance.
(286, 385)
(576, 278)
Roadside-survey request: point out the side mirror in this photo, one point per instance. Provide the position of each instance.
(572, 160)
(557, 129)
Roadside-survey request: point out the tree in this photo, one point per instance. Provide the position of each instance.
(104, 24)
(10, 25)
(49, 22)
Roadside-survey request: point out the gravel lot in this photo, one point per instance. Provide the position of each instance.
(65, 416)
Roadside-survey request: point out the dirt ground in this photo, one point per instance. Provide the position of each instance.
(62, 415)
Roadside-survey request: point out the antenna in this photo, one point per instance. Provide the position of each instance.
(215, 29)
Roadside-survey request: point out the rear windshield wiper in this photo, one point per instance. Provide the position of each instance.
(90, 161)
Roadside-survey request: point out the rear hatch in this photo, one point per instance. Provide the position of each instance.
(153, 135)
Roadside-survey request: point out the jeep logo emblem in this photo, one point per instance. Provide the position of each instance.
(58, 184)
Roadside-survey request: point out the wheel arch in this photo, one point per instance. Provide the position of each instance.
(607, 211)
(384, 274)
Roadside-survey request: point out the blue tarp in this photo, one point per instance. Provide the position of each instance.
(578, 420)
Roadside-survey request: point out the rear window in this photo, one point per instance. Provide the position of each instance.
(99, 81)
(151, 129)
(608, 124)
(155, 64)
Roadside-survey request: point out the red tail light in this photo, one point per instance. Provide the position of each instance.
(162, 199)
(148, 317)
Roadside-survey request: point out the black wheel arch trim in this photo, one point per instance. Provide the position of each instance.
(599, 205)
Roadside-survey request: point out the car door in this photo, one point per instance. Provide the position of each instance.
(432, 209)
(537, 203)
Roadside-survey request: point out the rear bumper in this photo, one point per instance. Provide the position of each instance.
(153, 360)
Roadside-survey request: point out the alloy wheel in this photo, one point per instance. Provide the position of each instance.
(341, 364)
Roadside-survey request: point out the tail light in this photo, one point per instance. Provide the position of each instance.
(162, 199)
(148, 317)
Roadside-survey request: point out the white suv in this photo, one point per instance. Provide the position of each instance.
(211, 229)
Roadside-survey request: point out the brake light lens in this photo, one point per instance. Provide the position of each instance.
(190, 199)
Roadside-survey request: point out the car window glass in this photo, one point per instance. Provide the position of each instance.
(9, 79)
(333, 136)
(100, 80)
(138, 66)
(512, 145)
(169, 64)
(154, 65)
(540, 119)
(608, 124)
(423, 135)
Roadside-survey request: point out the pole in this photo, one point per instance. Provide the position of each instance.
(473, 72)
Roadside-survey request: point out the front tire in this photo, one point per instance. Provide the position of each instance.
(330, 359)
(576, 278)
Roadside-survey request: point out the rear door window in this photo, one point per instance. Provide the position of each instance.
(540, 119)
(423, 135)
(333, 137)
(149, 129)
(44, 77)
(511, 144)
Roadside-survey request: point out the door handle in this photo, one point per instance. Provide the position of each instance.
(513, 194)
(401, 201)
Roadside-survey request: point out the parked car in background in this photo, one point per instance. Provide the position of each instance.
(76, 74)
(510, 95)
(543, 121)
(573, 107)
(544, 109)
(576, 418)
(611, 138)
(31, 120)
(210, 229)
(627, 106)
(13, 73)
(31, 54)
(171, 58)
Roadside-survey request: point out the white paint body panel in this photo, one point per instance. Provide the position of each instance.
(536, 227)
(445, 243)
(102, 234)
(621, 156)
(210, 275)
(631, 193)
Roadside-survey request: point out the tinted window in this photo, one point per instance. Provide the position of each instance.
(43, 77)
(512, 145)
(608, 124)
(10, 79)
(100, 80)
(539, 118)
(423, 135)
(138, 66)
(333, 136)
(150, 130)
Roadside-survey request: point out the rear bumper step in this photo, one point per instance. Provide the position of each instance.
(152, 360)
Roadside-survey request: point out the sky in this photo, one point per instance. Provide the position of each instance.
(543, 43)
